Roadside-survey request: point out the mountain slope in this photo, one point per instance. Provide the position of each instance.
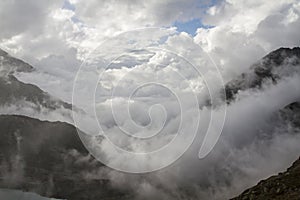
(13, 91)
(10, 64)
(49, 158)
(276, 65)
(283, 186)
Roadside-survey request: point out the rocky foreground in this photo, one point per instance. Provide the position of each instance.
(284, 186)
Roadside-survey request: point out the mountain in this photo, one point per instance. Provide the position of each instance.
(283, 186)
(9, 64)
(14, 92)
(48, 158)
(278, 64)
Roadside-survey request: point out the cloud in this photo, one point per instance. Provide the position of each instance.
(239, 158)
(126, 15)
(252, 146)
(255, 143)
(26, 108)
(245, 31)
(25, 17)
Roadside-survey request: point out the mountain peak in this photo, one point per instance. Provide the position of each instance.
(278, 64)
(278, 56)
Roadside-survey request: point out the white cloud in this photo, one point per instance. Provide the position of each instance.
(246, 31)
(56, 40)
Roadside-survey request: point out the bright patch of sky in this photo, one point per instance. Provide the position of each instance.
(190, 27)
(68, 6)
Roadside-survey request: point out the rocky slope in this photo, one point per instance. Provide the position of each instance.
(13, 91)
(270, 69)
(284, 186)
(277, 65)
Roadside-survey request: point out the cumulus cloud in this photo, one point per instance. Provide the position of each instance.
(241, 145)
(255, 143)
(247, 30)
(252, 146)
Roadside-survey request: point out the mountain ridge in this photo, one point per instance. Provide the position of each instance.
(285, 185)
(270, 69)
(47, 158)
(15, 91)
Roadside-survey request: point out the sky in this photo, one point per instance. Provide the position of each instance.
(102, 56)
(190, 26)
(69, 29)
(59, 34)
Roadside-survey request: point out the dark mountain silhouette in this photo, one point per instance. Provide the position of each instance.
(13, 91)
(271, 68)
(283, 186)
(48, 158)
